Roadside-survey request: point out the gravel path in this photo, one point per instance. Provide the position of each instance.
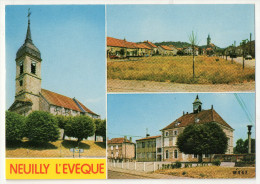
(116, 85)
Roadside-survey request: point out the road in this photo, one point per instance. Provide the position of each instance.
(248, 63)
(115, 85)
(121, 175)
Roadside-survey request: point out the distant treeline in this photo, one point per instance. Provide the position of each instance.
(176, 44)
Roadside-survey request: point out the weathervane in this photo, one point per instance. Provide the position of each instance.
(29, 14)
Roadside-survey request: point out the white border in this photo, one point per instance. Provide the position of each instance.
(69, 2)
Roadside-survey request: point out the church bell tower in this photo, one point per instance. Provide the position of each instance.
(197, 105)
(208, 40)
(28, 76)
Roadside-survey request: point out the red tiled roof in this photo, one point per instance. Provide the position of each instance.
(209, 48)
(115, 42)
(63, 101)
(85, 108)
(118, 141)
(143, 46)
(165, 47)
(152, 137)
(151, 44)
(205, 116)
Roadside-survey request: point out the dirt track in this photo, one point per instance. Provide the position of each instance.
(150, 86)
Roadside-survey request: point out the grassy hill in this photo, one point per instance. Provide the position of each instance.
(60, 148)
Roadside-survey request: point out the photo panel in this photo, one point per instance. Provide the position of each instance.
(181, 48)
(181, 135)
(55, 92)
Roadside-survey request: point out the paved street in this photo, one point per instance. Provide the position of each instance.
(121, 175)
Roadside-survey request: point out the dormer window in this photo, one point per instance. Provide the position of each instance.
(33, 67)
(21, 67)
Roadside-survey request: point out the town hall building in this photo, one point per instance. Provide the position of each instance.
(29, 96)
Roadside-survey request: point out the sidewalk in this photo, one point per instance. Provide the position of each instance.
(148, 175)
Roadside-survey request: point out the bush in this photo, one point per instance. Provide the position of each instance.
(14, 126)
(41, 127)
(178, 164)
(80, 127)
(216, 162)
(184, 172)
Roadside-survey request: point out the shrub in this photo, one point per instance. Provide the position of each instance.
(80, 127)
(216, 162)
(178, 164)
(41, 127)
(14, 126)
(184, 172)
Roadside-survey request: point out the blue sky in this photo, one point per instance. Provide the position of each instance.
(71, 40)
(224, 23)
(131, 114)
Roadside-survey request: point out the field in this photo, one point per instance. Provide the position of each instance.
(178, 69)
(211, 172)
(59, 148)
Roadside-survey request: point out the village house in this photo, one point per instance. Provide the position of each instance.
(165, 50)
(29, 96)
(189, 51)
(152, 46)
(199, 115)
(122, 48)
(149, 149)
(120, 149)
(174, 49)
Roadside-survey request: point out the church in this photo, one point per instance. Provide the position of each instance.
(29, 96)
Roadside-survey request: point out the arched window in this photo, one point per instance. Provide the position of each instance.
(21, 67)
(175, 154)
(33, 67)
(167, 154)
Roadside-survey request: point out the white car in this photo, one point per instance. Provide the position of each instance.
(248, 57)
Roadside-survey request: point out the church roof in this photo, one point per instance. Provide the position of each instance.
(28, 46)
(204, 116)
(64, 101)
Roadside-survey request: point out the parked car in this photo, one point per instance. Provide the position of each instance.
(249, 57)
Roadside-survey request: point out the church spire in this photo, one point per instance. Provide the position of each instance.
(28, 47)
(28, 34)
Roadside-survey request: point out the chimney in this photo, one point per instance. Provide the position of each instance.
(125, 138)
(183, 113)
(147, 135)
(211, 107)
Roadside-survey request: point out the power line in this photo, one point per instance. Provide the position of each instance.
(244, 108)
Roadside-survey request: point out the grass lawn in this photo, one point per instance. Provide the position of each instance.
(178, 69)
(59, 148)
(211, 172)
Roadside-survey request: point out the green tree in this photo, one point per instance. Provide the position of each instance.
(242, 146)
(100, 129)
(80, 127)
(41, 127)
(199, 139)
(194, 42)
(14, 126)
(62, 121)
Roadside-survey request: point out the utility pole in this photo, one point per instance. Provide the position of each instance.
(250, 52)
(249, 138)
